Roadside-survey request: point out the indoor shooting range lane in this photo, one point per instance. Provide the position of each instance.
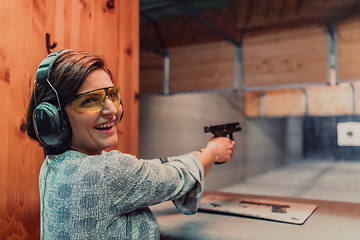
(331, 221)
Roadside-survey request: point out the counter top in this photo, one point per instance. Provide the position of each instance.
(330, 221)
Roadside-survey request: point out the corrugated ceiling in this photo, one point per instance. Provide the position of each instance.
(153, 10)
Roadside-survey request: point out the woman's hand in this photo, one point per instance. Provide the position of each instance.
(218, 150)
(222, 147)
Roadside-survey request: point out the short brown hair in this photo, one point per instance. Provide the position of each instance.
(67, 74)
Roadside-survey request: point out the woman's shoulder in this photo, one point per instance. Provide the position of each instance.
(107, 162)
(106, 158)
(74, 154)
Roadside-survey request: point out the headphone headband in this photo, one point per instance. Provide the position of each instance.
(44, 68)
(50, 124)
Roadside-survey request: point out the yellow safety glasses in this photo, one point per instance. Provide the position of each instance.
(94, 101)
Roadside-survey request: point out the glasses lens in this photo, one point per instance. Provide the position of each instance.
(94, 101)
(114, 95)
(89, 102)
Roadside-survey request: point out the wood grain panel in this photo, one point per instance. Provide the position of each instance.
(247, 17)
(202, 67)
(349, 50)
(253, 104)
(5, 25)
(330, 100)
(151, 72)
(19, 213)
(128, 68)
(72, 24)
(57, 29)
(86, 25)
(288, 57)
(106, 23)
(284, 102)
(356, 86)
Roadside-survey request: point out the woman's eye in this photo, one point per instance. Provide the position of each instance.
(88, 101)
(113, 96)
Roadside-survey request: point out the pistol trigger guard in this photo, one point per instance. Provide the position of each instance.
(231, 136)
(219, 163)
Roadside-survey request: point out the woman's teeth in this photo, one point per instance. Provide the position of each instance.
(105, 125)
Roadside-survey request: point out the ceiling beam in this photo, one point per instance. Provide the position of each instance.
(160, 52)
(154, 6)
(198, 17)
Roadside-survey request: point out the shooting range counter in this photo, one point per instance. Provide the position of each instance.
(331, 221)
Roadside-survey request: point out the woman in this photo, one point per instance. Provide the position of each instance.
(85, 192)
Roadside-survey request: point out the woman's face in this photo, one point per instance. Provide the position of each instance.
(93, 132)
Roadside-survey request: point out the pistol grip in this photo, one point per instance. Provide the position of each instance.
(219, 135)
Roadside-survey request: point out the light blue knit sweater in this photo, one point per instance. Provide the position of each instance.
(107, 196)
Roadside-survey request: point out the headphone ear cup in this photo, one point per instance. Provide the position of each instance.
(50, 124)
(122, 113)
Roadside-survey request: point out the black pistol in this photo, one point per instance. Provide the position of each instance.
(223, 130)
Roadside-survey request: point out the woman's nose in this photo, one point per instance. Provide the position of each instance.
(109, 107)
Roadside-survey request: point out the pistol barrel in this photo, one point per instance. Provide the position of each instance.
(228, 128)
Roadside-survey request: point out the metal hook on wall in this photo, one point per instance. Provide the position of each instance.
(110, 4)
(48, 46)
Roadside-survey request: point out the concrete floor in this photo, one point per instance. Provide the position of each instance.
(310, 179)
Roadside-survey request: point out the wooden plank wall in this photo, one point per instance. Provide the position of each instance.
(341, 96)
(318, 100)
(151, 72)
(284, 45)
(349, 50)
(85, 24)
(244, 17)
(285, 57)
(192, 68)
(284, 102)
(202, 67)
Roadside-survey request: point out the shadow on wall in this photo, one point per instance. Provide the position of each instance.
(272, 143)
(174, 125)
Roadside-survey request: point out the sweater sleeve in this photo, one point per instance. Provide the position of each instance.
(135, 183)
(189, 203)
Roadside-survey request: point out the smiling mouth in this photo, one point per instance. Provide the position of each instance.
(105, 126)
